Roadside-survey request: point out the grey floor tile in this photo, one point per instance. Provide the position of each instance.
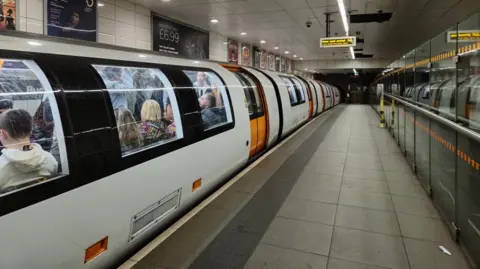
(427, 255)
(320, 153)
(369, 248)
(365, 199)
(342, 264)
(365, 161)
(363, 184)
(364, 173)
(327, 181)
(418, 227)
(408, 176)
(317, 160)
(406, 188)
(299, 235)
(308, 210)
(319, 194)
(272, 257)
(362, 148)
(414, 206)
(372, 220)
(334, 170)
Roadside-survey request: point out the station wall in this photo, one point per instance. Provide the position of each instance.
(120, 23)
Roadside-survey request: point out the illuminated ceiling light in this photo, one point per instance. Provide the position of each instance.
(306, 69)
(263, 41)
(301, 59)
(165, 1)
(225, 43)
(343, 14)
(214, 21)
(276, 48)
(352, 53)
(243, 33)
(142, 55)
(34, 43)
(100, 4)
(196, 62)
(287, 52)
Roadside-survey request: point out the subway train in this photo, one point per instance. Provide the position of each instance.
(137, 139)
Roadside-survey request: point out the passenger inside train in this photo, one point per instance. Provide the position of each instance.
(21, 161)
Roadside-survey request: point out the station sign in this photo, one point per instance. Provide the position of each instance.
(463, 36)
(338, 42)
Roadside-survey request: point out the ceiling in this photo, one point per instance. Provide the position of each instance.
(282, 22)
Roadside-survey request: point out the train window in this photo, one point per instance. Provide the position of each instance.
(248, 95)
(299, 90)
(447, 99)
(31, 134)
(145, 106)
(473, 108)
(426, 92)
(212, 98)
(254, 90)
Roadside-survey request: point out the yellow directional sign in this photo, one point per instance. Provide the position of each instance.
(463, 36)
(338, 42)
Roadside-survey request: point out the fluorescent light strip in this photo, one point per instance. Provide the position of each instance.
(352, 53)
(343, 14)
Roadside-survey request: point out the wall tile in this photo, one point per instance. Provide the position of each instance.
(124, 30)
(125, 16)
(142, 10)
(125, 42)
(144, 45)
(34, 26)
(125, 4)
(143, 35)
(107, 11)
(106, 38)
(35, 9)
(22, 8)
(23, 24)
(106, 26)
(142, 21)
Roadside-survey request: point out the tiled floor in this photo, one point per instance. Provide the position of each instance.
(357, 205)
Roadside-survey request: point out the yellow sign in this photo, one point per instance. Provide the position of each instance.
(338, 42)
(463, 36)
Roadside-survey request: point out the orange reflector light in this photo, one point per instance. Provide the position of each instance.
(96, 249)
(196, 184)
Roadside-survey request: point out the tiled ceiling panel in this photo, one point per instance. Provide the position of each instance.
(282, 22)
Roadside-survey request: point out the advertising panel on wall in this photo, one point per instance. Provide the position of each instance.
(232, 51)
(283, 64)
(8, 15)
(256, 57)
(271, 61)
(246, 54)
(263, 59)
(277, 63)
(72, 19)
(179, 39)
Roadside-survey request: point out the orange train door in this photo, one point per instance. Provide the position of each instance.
(254, 97)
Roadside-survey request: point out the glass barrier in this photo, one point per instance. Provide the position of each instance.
(442, 76)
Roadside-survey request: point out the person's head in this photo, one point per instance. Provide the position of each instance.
(127, 127)
(5, 104)
(151, 111)
(207, 101)
(15, 127)
(74, 18)
(9, 12)
(201, 78)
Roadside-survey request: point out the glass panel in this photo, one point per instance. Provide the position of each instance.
(145, 106)
(31, 133)
(291, 90)
(299, 90)
(248, 97)
(212, 98)
(254, 89)
(409, 113)
(422, 124)
(402, 113)
(443, 139)
(468, 152)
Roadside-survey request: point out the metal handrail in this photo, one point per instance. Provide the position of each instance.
(460, 129)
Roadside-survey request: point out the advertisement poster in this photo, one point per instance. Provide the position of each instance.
(178, 39)
(271, 61)
(256, 57)
(263, 59)
(72, 19)
(232, 51)
(289, 66)
(283, 64)
(245, 55)
(8, 15)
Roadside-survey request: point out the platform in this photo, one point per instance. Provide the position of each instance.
(337, 195)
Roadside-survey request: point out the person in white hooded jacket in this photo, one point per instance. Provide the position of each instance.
(21, 160)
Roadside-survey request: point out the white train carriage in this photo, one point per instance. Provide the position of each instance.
(138, 139)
